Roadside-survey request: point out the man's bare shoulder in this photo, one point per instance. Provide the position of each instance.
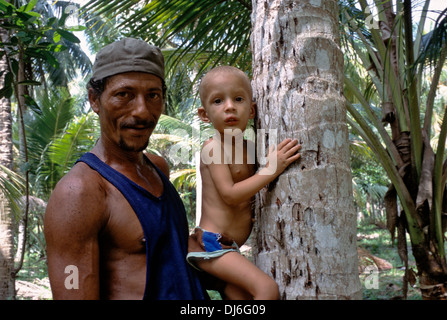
(81, 178)
(160, 162)
(79, 196)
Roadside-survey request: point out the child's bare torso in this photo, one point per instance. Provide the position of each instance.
(233, 220)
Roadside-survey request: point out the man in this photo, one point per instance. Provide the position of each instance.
(115, 227)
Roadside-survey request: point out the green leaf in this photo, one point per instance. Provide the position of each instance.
(56, 37)
(51, 21)
(8, 79)
(25, 37)
(12, 185)
(6, 92)
(5, 5)
(59, 48)
(68, 36)
(28, 17)
(50, 59)
(32, 104)
(31, 4)
(77, 28)
(30, 83)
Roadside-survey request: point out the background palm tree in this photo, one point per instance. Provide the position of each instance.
(33, 39)
(6, 222)
(58, 135)
(369, 180)
(394, 63)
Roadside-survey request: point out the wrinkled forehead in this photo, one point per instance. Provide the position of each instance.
(135, 78)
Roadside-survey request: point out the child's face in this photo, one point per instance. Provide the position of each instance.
(227, 102)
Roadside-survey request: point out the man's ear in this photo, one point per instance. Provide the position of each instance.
(203, 115)
(253, 108)
(93, 98)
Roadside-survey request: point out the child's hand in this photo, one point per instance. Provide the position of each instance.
(282, 156)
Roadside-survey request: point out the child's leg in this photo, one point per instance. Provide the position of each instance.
(243, 278)
(233, 292)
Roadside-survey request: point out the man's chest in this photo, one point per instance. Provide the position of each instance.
(123, 230)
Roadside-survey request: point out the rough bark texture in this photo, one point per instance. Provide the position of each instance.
(6, 224)
(305, 230)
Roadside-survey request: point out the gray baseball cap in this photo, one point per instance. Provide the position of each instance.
(128, 55)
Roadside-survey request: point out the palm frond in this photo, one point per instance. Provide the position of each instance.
(78, 138)
(433, 42)
(56, 110)
(12, 186)
(377, 191)
(202, 33)
(185, 178)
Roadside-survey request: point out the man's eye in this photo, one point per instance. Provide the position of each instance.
(122, 94)
(154, 96)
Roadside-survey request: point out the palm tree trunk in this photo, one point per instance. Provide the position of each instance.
(7, 288)
(305, 231)
(20, 91)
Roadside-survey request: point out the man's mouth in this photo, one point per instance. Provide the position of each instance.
(138, 125)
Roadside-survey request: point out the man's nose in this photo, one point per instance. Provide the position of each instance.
(141, 107)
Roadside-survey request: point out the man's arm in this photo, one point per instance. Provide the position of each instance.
(73, 220)
(233, 193)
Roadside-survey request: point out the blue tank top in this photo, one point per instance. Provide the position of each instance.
(165, 227)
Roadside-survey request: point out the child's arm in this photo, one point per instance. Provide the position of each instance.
(234, 193)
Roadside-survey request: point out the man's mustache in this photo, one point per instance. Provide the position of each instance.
(139, 124)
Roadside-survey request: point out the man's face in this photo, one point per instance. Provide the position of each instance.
(129, 109)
